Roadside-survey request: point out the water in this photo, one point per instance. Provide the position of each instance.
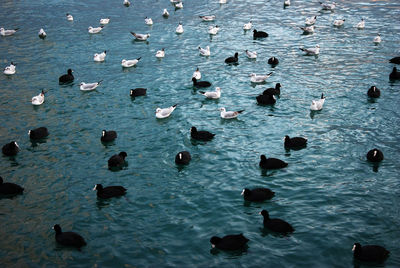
(330, 194)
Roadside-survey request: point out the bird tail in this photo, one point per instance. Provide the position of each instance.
(100, 82)
(174, 106)
(132, 33)
(322, 96)
(241, 111)
(302, 49)
(202, 92)
(16, 29)
(269, 74)
(139, 58)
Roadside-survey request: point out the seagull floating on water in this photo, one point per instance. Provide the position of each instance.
(39, 99)
(89, 86)
(212, 94)
(179, 5)
(377, 39)
(204, 51)
(42, 34)
(140, 37)
(229, 114)
(100, 57)
(208, 18)
(165, 13)
(127, 3)
(213, 29)
(69, 17)
(311, 51)
(9, 70)
(251, 54)
(4, 32)
(247, 26)
(179, 29)
(316, 105)
(165, 112)
(129, 63)
(286, 3)
(311, 20)
(160, 53)
(104, 21)
(328, 6)
(148, 21)
(95, 30)
(361, 24)
(259, 78)
(197, 74)
(338, 22)
(308, 29)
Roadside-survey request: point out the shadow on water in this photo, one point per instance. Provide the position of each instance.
(230, 254)
(108, 144)
(313, 113)
(35, 143)
(266, 232)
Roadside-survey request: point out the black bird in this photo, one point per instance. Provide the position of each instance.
(229, 242)
(395, 60)
(38, 133)
(394, 74)
(66, 78)
(370, 253)
(257, 194)
(259, 34)
(8, 188)
(271, 163)
(374, 92)
(273, 61)
(200, 83)
(276, 225)
(375, 155)
(273, 91)
(117, 160)
(295, 142)
(69, 239)
(233, 59)
(10, 149)
(109, 191)
(138, 92)
(201, 135)
(183, 158)
(107, 136)
(266, 99)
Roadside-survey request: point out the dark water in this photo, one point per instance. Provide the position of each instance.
(330, 194)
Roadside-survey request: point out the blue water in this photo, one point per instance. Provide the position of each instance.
(329, 192)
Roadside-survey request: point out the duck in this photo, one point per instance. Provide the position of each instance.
(273, 90)
(160, 53)
(105, 21)
(259, 78)
(69, 17)
(5, 32)
(374, 92)
(99, 57)
(108, 136)
(165, 112)
(273, 61)
(197, 74)
(200, 83)
(66, 78)
(370, 253)
(38, 133)
(394, 75)
(94, 30)
(295, 142)
(251, 54)
(42, 34)
(10, 70)
(179, 29)
(39, 99)
(127, 3)
(148, 21)
(229, 242)
(117, 160)
(165, 13)
(276, 225)
(266, 99)
(311, 20)
(316, 105)
(129, 63)
(377, 39)
(271, 163)
(308, 29)
(202, 135)
(259, 34)
(89, 86)
(212, 94)
(229, 114)
(232, 60)
(208, 18)
(109, 191)
(178, 5)
(213, 30)
(311, 51)
(140, 37)
(69, 239)
(361, 24)
(328, 6)
(10, 149)
(338, 22)
(182, 158)
(257, 194)
(247, 26)
(138, 92)
(205, 51)
(375, 155)
(9, 188)
(395, 60)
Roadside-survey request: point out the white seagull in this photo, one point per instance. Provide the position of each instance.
(251, 54)
(42, 33)
(208, 18)
(140, 37)
(179, 29)
(4, 32)
(165, 112)
(286, 3)
(377, 39)
(222, 1)
(127, 3)
(9, 70)
(308, 29)
(69, 17)
(229, 114)
(179, 5)
(165, 13)
(213, 29)
(95, 30)
(104, 21)
(338, 22)
(39, 99)
(148, 21)
(160, 53)
(316, 105)
(328, 6)
(311, 20)
(129, 63)
(259, 78)
(204, 51)
(361, 24)
(197, 74)
(247, 26)
(100, 57)
(89, 86)
(311, 51)
(212, 94)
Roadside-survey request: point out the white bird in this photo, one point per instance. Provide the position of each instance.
(247, 26)
(95, 30)
(9, 70)
(148, 21)
(286, 3)
(311, 51)
(259, 78)
(308, 29)
(338, 22)
(197, 74)
(175, 1)
(316, 105)
(377, 39)
(222, 1)
(69, 17)
(100, 57)
(213, 29)
(204, 51)
(179, 29)
(4, 32)
(179, 5)
(165, 112)
(212, 94)
(229, 114)
(140, 37)
(89, 86)
(311, 20)
(208, 18)
(361, 24)
(129, 63)
(160, 53)
(165, 13)
(251, 54)
(127, 3)
(104, 21)
(39, 99)
(328, 6)
(42, 33)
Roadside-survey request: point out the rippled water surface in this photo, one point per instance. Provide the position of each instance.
(329, 192)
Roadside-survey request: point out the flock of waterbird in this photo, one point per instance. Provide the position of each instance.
(367, 253)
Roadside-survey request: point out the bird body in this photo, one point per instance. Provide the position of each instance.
(138, 92)
(229, 242)
(148, 21)
(208, 18)
(165, 13)
(370, 253)
(316, 105)
(197, 74)
(66, 78)
(69, 17)
(328, 6)
(311, 51)
(9, 188)
(377, 39)
(257, 194)
(201, 135)
(5, 32)
(259, 78)
(42, 34)
(295, 142)
(94, 30)
(266, 99)
(10, 149)
(259, 34)
(271, 163)
(38, 133)
(286, 3)
(229, 114)
(200, 83)
(308, 29)
(89, 86)
(126, 3)
(109, 191)
(361, 24)
(108, 136)
(10, 70)
(276, 225)
(179, 29)
(105, 21)
(247, 26)
(273, 61)
(160, 53)
(69, 239)
(394, 75)
(165, 112)
(395, 60)
(178, 5)
(213, 30)
(99, 57)
(204, 51)
(375, 155)
(129, 63)
(251, 54)
(117, 160)
(338, 22)
(311, 20)
(183, 158)
(140, 37)
(39, 99)
(233, 59)
(273, 91)
(374, 92)
(212, 94)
